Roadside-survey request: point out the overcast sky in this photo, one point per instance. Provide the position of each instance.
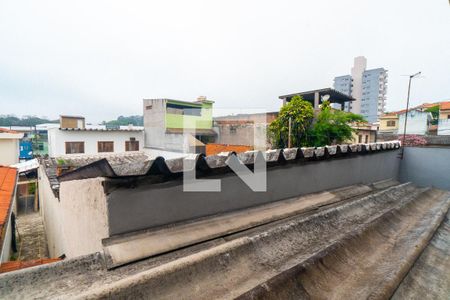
(101, 58)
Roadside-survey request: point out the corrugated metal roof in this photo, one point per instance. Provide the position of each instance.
(145, 165)
(8, 177)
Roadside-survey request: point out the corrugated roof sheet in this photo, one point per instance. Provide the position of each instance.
(145, 165)
(8, 177)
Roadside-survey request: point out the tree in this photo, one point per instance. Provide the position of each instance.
(332, 126)
(301, 114)
(122, 120)
(435, 113)
(11, 120)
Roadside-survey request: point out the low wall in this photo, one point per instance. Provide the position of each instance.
(426, 166)
(74, 224)
(150, 205)
(51, 215)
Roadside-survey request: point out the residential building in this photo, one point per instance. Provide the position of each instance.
(444, 110)
(364, 133)
(367, 87)
(444, 118)
(8, 184)
(418, 122)
(179, 126)
(9, 146)
(248, 130)
(389, 123)
(316, 97)
(81, 139)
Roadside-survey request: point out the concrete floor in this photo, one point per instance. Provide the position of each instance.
(31, 240)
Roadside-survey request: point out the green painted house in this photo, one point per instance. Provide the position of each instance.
(169, 124)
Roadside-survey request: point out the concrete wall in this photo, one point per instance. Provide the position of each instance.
(57, 139)
(426, 166)
(154, 122)
(74, 224)
(84, 219)
(50, 210)
(9, 151)
(150, 205)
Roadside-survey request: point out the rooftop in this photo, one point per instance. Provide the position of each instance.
(6, 130)
(378, 240)
(445, 105)
(8, 177)
(335, 96)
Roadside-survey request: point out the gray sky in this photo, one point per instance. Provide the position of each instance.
(100, 58)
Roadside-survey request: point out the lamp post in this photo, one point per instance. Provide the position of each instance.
(406, 113)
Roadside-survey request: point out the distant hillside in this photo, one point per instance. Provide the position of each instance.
(122, 120)
(11, 120)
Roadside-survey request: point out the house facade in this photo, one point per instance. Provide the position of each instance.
(444, 118)
(364, 133)
(92, 139)
(389, 123)
(179, 126)
(242, 132)
(418, 122)
(9, 146)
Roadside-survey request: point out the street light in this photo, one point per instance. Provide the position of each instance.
(406, 113)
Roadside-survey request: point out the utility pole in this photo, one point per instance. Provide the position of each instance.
(289, 134)
(406, 113)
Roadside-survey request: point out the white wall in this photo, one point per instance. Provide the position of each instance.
(50, 210)
(417, 122)
(444, 127)
(76, 223)
(57, 139)
(155, 123)
(9, 151)
(84, 215)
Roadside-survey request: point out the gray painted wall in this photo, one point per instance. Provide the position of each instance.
(426, 166)
(150, 205)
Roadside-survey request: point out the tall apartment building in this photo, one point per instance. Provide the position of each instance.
(368, 87)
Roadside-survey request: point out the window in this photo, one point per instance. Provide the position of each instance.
(448, 117)
(390, 123)
(232, 129)
(359, 138)
(74, 147)
(148, 107)
(105, 146)
(132, 145)
(367, 139)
